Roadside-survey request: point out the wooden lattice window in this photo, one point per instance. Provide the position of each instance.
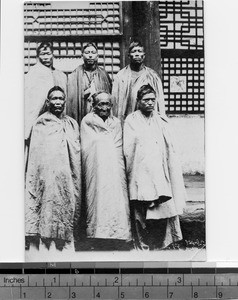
(182, 55)
(69, 25)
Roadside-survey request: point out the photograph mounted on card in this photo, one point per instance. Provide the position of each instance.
(114, 131)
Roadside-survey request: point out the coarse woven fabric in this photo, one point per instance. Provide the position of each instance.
(104, 174)
(77, 106)
(124, 91)
(38, 81)
(53, 179)
(152, 165)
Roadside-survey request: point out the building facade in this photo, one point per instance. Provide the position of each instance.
(172, 33)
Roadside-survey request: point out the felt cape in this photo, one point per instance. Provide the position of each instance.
(105, 182)
(77, 107)
(53, 179)
(125, 93)
(153, 170)
(38, 81)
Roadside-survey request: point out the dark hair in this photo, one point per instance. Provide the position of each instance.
(135, 44)
(94, 96)
(143, 90)
(55, 88)
(89, 45)
(44, 45)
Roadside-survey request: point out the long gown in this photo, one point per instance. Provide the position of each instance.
(53, 178)
(79, 103)
(126, 85)
(103, 170)
(154, 173)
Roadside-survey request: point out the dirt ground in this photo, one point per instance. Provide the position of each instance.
(191, 248)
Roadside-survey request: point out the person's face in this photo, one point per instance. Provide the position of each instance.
(103, 107)
(137, 55)
(147, 103)
(46, 57)
(56, 103)
(90, 56)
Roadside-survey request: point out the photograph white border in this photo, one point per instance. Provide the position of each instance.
(221, 63)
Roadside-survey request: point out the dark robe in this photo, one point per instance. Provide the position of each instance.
(79, 104)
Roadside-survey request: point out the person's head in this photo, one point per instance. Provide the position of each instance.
(102, 104)
(136, 53)
(90, 54)
(56, 100)
(146, 99)
(44, 53)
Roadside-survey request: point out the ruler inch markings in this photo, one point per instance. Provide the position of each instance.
(176, 285)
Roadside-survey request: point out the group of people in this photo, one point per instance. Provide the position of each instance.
(99, 155)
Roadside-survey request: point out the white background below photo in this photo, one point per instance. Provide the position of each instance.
(221, 62)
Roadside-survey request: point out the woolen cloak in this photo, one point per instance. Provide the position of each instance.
(53, 179)
(124, 91)
(153, 170)
(38, 81)
(77, 107)
(105, 182)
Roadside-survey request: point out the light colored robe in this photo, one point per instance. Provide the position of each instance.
(151, 162)
(124, 91)
(153, 170)
(38, 81)
(77, 107)
(105, 182)
(53, 179)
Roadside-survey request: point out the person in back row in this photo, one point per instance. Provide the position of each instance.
(128, 81)
(156, 188)
(84, 81)
(41, 77)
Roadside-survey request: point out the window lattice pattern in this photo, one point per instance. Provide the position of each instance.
(66, 22)
(72, 18)
(181, 24)
(68, 56)
(188, 73)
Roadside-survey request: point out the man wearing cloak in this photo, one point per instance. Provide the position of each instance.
(84, 81)
(128, 81)
(53, 178)
(107, 204)
(41, 77)
(156, 189)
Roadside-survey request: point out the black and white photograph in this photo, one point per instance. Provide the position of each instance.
(114, 135)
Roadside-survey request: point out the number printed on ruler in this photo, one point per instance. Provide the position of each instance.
(121, 286)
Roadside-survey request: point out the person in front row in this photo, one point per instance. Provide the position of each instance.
(128, 81)
(156, 188)
(84, 81)
(107, 204)
(53, 178)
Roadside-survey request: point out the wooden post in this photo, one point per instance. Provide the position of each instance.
(127, 24)
(142, 23)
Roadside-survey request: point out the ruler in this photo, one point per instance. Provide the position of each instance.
(116, 281)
